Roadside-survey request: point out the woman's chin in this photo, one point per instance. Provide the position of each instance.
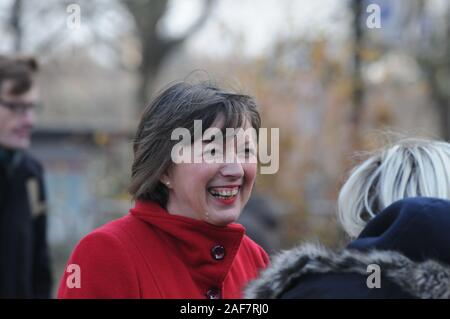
(223, 217)
(223, 212)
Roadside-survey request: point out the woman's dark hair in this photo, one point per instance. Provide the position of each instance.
(177, 107)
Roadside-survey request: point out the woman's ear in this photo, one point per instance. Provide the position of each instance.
(165, 179)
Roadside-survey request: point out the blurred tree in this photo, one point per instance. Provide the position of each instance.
(155, 47)
(421, 30)
(357, 8)
(435, 65)
(40, 27)
(26, 18)
(15, 24)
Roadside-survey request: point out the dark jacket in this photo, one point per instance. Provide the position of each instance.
(24, 260)
(409, 241)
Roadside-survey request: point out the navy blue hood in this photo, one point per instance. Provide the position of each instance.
(409, 241)
(418, 227)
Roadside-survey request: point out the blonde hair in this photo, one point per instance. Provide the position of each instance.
(409, 168)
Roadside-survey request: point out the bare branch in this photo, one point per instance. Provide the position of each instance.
(196, 26)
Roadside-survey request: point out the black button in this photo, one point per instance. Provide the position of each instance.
(218, 252)
(213, 294)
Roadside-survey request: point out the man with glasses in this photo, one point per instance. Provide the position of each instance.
(24, 260)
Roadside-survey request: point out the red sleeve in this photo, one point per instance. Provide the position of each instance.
(261, 258)
(99, 267)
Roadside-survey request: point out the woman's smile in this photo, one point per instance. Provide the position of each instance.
(225, 195)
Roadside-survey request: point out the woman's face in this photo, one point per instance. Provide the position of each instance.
(212, 192)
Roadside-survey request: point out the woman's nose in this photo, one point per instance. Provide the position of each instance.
(232, 170)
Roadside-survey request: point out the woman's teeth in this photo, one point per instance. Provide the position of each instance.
(224, 193)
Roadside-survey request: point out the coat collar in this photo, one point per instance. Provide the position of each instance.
(428, 279)
(10, 159)
(194, 240)
(409, 240)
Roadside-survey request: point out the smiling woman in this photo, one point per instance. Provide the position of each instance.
(180, 240)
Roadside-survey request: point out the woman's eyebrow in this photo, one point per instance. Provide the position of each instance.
(212, 138)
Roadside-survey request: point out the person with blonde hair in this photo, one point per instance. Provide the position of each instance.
(396, 203)
(410, 168)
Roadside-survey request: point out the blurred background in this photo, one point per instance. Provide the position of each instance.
(333, 76)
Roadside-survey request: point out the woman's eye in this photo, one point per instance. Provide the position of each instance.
(249, 151)
(211, 152)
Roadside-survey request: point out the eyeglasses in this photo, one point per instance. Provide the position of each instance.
(20, 108)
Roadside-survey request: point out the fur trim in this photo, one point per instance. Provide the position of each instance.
(428, 279)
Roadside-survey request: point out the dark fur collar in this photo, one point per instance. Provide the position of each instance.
(428, 279)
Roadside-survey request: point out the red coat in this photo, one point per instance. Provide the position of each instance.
(150, 253)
